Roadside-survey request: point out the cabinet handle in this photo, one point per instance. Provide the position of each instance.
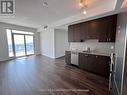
(86, 55)
(109, 39)
(96, 56)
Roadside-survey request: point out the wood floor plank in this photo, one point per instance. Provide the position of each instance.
(40, 75)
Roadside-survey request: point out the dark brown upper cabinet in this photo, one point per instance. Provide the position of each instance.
(84, 31)
(93, 29)
(89, 30)
(70, 34)
(103, 29)
(77, 32)
(107, 31)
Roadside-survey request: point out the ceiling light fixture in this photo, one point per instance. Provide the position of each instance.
(83, 6)
(81, 3)
(84, 12)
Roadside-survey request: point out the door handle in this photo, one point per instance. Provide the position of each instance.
(109, 39)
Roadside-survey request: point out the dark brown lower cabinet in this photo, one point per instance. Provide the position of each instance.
(95, 63)
(68, 57)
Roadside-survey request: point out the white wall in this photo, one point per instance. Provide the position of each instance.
(37, 43)
(61, 42)
(47, 43)
(120, 51)
(94, 46)
(54, 42)
(3, 39)
(3, 45)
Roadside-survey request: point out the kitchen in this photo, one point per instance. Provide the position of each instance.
(92, 46)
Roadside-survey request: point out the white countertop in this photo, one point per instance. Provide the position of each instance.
(92, 52)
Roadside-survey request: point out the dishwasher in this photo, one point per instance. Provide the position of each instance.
(75, 58)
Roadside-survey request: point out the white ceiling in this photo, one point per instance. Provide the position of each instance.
(124, 5)
(32, 13)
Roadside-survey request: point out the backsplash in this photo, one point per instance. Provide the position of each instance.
(94, 45)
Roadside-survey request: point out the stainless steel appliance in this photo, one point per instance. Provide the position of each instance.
(75, 58)
(112, 70)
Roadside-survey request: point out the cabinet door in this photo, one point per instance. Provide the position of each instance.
(83, 61)
(93, 59)
(86, 62)
(77, 32)
(112, 28)
(68, 57)
(74, 33)
(107, 30)
(93, 29)
(84, 31)
(70, 33)
(103, 31)
(102, 66)
(99, 65)
(107, 62)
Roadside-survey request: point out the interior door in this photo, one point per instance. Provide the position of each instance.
(19, 45)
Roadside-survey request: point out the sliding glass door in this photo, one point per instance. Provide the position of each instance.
(19, 45)
(23, 44)
(29, 44)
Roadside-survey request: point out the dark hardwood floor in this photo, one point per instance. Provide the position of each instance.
(40, 75)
